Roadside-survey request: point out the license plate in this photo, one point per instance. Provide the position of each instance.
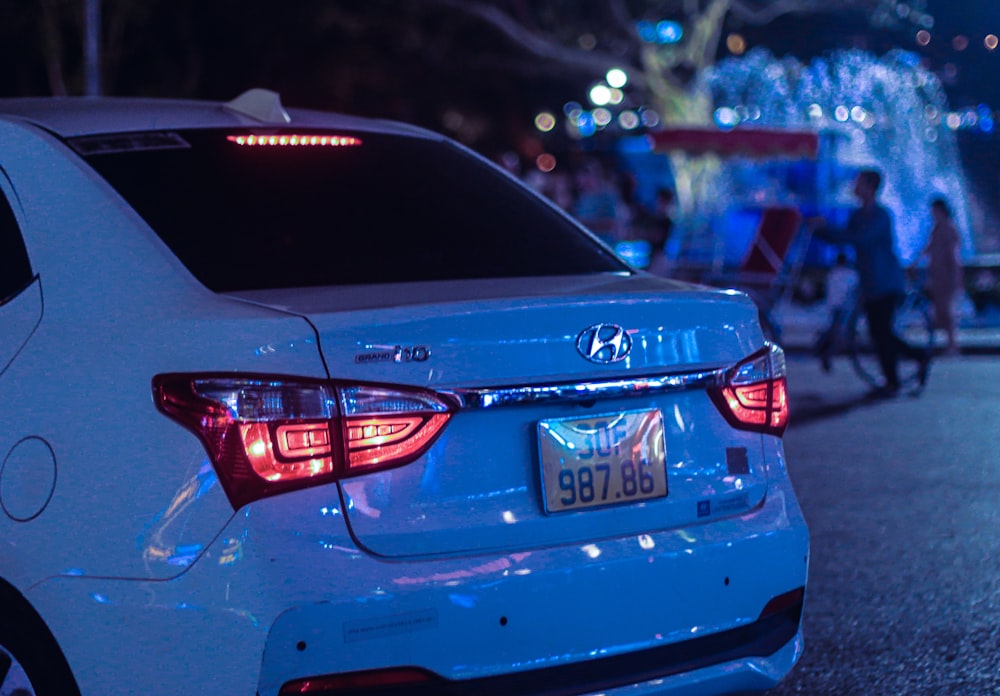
(602, 460)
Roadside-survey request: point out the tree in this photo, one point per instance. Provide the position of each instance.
(179, 43)
(664, 46)
(587, 39)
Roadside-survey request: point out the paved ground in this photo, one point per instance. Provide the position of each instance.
(903, 502)
(800, 326)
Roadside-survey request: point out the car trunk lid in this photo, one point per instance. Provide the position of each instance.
(581, 408)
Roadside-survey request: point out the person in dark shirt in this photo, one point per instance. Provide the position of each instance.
(880, 276)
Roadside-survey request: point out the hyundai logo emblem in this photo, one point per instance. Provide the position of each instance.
(604, 343)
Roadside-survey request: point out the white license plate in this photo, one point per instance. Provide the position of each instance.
(610, 459)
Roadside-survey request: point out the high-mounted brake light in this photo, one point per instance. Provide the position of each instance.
(755, 394)
(267, 435)
(295, 140)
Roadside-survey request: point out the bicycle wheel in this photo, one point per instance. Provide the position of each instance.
(913, 323)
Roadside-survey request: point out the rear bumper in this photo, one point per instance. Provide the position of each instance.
(738, 655)
(284, 594)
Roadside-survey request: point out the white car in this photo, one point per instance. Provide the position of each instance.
(300, 403)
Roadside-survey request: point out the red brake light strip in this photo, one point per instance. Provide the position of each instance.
(295, 140)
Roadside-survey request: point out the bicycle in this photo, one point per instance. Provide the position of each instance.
(913, 323)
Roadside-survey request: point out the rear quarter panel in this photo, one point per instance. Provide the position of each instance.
(133, 493)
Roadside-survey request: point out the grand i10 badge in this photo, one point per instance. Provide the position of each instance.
(604, 343)
(398, 354)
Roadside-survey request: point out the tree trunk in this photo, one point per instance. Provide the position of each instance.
(52, 47)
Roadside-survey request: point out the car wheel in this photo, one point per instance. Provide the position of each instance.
(31, 663)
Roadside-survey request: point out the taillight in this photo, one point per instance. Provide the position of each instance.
(754, 396)
(372, 681)
(267, 435)
(784, 602)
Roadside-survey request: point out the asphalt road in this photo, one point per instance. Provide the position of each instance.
(903, 503)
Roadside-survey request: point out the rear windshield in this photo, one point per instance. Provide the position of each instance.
(374, 208)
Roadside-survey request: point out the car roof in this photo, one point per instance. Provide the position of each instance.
(70, 117)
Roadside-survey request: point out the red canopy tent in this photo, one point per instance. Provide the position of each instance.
(739, 142)
(766, 271)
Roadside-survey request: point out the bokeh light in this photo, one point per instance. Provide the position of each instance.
(650, 119)
(646, 31)
(545, 162)
(588, 42)
(629, 120)
(600, 95)
(960, 42)
(617, 96)
(991, 42)
(545, 121)
(602, 117)
(736, 44)
(815, 111)
(953, 121)
(616, 77)
(923, 37)
(726, 117)
(842, 113)
(668, 32)
(665, 32)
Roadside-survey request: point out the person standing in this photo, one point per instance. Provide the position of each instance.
(882, 282)
(944, 270)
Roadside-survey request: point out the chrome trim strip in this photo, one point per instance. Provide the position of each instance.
(492, 397)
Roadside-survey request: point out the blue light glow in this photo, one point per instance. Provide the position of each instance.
(586, 125)
(646, 31)
(868, 110)
(464, 601)
(726, 117)
(668, 32)
(663, 32)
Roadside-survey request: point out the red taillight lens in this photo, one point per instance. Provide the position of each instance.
(267, 435)
(755, 394)
(784, 602)
(373, 441)
(355, 682)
